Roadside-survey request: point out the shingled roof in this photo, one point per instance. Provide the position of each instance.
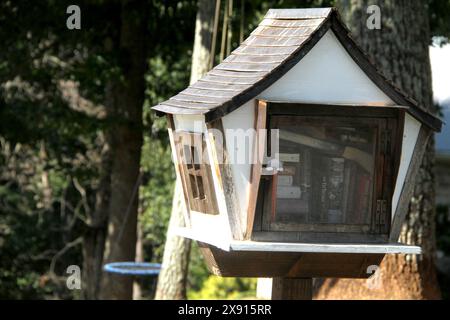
(280, 41)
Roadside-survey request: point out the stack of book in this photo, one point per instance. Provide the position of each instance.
(324, 181)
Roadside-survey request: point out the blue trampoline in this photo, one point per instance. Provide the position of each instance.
(133, 268)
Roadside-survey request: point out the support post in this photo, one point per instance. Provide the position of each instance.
(291, 289)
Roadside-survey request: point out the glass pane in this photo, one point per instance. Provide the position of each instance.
(193, 181)
(188, 156)
(326, 175)
(196, 158)
(201, 192)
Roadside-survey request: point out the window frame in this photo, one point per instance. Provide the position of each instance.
(201, 197)
(387, 156)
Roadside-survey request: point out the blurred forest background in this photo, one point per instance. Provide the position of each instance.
(81, 152)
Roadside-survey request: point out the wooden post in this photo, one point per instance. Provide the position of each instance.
(291, 289)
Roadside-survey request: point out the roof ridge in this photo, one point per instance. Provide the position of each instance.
(299, 14)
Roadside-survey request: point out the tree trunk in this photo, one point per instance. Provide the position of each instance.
(137, 288)
(94, 238)
(173, 277)
(400, 50)
(204, 25)
(128, 96)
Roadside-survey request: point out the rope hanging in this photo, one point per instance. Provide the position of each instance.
(229, 27)
(224, 32)
(214, 38)
(227, 30)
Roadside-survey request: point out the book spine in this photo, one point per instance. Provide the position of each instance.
(363, 198)
(319, 187)
(288, 157)
(336, 168)
(346, 192)
(286, 181)
(284, 192)
(288, 171)
(350, 207)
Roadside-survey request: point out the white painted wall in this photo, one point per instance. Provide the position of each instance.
(190, 123)
(234, 123)
(410, 135)
(327, 75)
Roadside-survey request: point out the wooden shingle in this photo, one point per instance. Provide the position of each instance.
(280, 41)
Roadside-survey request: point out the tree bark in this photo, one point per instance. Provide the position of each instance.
(291, 289)
(137, 288)
(173, 277)
(128, 99)
(401, 50)
(204, 25)
(94, 238)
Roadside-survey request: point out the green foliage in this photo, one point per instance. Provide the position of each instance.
(39, 55)
(198, 272)
(33, 227)
(439, 12)
(225, 288)
(156, 196)
(443, 229)
(164, 79)
(443, 245)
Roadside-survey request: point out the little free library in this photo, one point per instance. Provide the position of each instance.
(297, 157)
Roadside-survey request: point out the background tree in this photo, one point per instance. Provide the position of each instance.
(62, 117)
(401, 50)
(173, 277)
(125, 102)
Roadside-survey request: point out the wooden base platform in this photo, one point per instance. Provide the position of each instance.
(254, 259)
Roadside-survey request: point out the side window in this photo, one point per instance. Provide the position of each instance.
(195, 171)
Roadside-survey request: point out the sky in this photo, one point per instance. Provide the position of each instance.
(440, 65)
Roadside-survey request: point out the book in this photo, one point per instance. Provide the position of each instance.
(354, 138)
(286, 181)
(357, 195)
(336, 168)
(287, 157)
(289, 210)
(349, 168)
(288, 171)
(284, 192)
(362, 198)
(350, 190)
(311, 142)
(305, 179)
(327, 189)
(335, 216)
(319, 188)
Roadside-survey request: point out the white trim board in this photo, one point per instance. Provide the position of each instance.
(324, 248)
(410, 134)
(197, 235)
(253, 246)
